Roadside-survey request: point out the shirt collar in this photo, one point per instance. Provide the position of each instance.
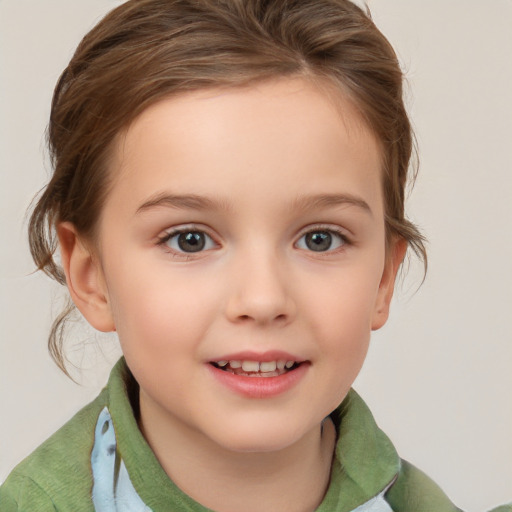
(366, 462)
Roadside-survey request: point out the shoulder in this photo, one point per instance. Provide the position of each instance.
(57, 475)
(413, 490)
(21, 493)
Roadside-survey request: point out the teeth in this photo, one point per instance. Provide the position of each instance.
(255, 366)
(268, 367)
(250, 366)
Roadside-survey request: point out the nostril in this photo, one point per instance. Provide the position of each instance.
(279, 318)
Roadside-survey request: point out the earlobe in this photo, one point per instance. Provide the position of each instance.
(84, 278)
(387, 284)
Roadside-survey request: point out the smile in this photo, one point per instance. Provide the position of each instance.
(259, 379)
(249, 368)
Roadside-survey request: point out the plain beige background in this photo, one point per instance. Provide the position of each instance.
(438, 377)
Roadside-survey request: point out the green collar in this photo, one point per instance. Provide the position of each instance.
(366, 461)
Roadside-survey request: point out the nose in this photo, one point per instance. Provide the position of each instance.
(260, 290)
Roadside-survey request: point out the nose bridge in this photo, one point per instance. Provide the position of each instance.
(260, 287)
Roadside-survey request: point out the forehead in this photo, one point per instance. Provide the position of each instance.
(284, 131)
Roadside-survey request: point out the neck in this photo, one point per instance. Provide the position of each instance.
(294, 479)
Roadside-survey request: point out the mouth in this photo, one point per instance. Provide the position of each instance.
(247, 368)
(259, 375)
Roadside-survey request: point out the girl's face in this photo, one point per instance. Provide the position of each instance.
(245, 228)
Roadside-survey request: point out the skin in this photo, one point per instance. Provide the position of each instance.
(259, 158)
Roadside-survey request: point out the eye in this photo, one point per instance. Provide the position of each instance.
(188, 241)
(321, 240)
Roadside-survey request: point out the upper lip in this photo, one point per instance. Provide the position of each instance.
(262, 357)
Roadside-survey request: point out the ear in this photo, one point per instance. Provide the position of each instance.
(394, 258)
(84, 278)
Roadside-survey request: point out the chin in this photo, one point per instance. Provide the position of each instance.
(260, 439)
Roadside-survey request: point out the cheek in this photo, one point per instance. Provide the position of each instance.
(154, 305)
(345, 301)
(341, 315)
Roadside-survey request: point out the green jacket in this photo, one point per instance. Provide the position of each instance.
(100, 461)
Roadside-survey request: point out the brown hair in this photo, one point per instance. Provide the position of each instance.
(145, 50)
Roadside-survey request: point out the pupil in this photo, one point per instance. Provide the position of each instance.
(191, 242)
(319, 241)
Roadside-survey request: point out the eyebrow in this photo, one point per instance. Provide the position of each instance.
(331, 200)
(188, 201)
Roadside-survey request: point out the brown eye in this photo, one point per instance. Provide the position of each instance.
(189, 241)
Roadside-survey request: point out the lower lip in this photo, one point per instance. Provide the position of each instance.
(260, 387)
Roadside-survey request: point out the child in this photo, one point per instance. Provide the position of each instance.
(228, 196)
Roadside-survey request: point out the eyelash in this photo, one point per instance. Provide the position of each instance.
(341, 235)
(166, 237)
